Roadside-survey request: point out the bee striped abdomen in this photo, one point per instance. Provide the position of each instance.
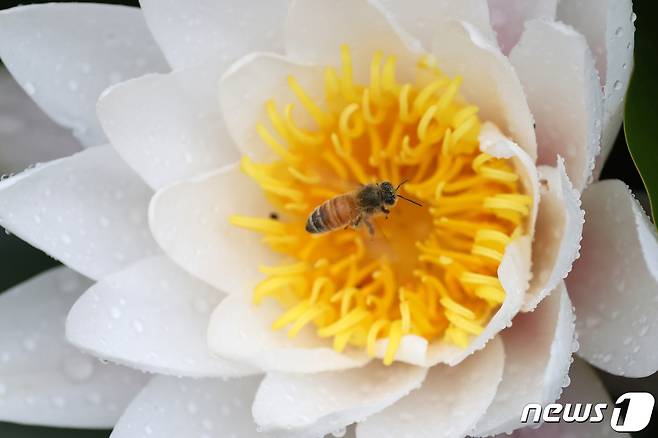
(335, 213)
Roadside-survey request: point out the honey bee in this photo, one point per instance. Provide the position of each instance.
(355, 208)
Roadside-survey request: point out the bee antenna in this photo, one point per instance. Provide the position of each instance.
(400, 185)
(410, 200)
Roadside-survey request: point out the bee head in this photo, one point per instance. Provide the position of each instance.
(388, 193)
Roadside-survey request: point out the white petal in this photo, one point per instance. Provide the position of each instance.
(614, 284)
(27, 135)
(585, 388)
(420, 17)
(448, 404)
(190, 221)
(313, 405)
(494, 143)
(249, 83)
(87, 210)
(169, 407)
(168, 127)
(316, 29)
(538, 351)
(151, 316)
(243, 332)
(509, 16)
(558, 75)
(64, 55)
(609, 29)
(43, 379)
(557, 236)
(489, 80)
(192, 32)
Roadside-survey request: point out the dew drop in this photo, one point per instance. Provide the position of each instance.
(115, 313)
(66, 239)
(148, 430)
(619, 32)
(207, 424)
(58, 401)
(94, 398)
(192, 408)
(138, 326)
(29, 88)
(73, 85)
(339, 433)
(29, 344)
(105, 222)
(78, 368)
(617, 85)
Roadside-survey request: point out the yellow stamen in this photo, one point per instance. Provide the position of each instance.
(430, 271)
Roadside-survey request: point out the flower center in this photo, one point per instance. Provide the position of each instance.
(428, 271)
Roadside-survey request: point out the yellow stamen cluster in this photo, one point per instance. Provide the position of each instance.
(431, 271)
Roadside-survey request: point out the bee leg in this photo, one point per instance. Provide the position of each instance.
(356, 222)
(371, 228)
(386, 211)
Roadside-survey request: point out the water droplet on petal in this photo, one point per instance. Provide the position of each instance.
(138, 326)
(339, 433)
(78, 368)
(29, 88)
(115, 313)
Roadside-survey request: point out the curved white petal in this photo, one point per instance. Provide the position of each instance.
(151, 316)
(170, 407)
(250, 83)
(557, 236)
(567, 111)
(43, 379)
(87, 210)
(509, 16)
(585, 388)
(65, 55)
(313, 405)
(168, 126)
(538, 350)
(190, 221)
(494, 143)
(449, 403)
(614, 284)
(316, 29)
(27, 135)
(609, 29)
(242, 331)
(489, 80)
(192, 32)
(420, 17)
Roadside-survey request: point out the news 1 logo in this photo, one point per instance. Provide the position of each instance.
(631, 412)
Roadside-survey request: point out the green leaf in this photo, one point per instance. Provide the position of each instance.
(641, 112)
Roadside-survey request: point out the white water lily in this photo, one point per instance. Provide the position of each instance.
(444, 323)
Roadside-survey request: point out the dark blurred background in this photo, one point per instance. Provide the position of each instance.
(27, 261)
